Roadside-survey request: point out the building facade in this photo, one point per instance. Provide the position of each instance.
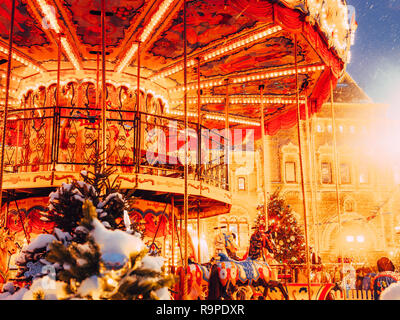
(352, 199)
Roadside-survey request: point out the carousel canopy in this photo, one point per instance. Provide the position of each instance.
(233, 47)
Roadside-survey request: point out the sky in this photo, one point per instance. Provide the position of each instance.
(375, 55)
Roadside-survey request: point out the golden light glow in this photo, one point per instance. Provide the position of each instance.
(217, 52)
(148, 30)
(18, 57)
(70, 53)
(128, 57)
(247, 78)
(244, 99)
(354, 240)
(49, 14)
(213, 116)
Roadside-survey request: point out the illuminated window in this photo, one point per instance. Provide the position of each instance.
(329, 128)
(320, 128)
(345, 173)
(363, 174)
(348, 205)
(396, 175)
(341, 129)
(326, 172)
(238, 227)
(241, 183)
(290, 171)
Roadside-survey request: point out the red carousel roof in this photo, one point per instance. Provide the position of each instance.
(239, 45)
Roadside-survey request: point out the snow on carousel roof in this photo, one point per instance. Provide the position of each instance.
(244, 42)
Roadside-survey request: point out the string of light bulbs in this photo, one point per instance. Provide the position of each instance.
(217, 52)
(147, 31)
(20, 58)
(49, 14)
(247, 78)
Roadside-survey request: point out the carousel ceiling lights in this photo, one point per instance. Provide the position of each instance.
(148, 30)
(334, 21)
(3, 90)
(10, 103)
(14, 78)
(50, 16)
(18, 57)
(212, 116)
(70, 53)
(155, 19)
(217, 52)
(280, 73)
(238, 100)
(128, 57)
(252, 77)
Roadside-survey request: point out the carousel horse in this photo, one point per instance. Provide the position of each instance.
(8, 247)
(228, 277)
(198, 275)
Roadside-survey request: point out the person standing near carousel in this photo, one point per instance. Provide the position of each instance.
(385, 277)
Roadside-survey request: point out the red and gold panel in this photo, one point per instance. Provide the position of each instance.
(28, 31)
(121, 14)
(208, 21)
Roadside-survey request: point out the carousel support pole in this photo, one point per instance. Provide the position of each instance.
(103, 83)
(181, 226)
(198, 233)
(311, 176)
(164, 249)
(185, 205)
(56, 110)
(137, 114)
(302, 170)
(5, 111)
(7, 210)
(173, 235)
(58, 87)
(315, 177)
(98, 93)
(198, 121)
(336, 164)
(138, 82)
(264, 156)
(19, 128)
(227, 134)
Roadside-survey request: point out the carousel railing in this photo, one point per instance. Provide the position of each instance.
(342, 288)
(67, 139)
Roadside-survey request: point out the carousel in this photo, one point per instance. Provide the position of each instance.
(161, 91)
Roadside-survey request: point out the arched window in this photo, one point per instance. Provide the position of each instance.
(348, 205)
(363, 174)
(326, 172)
(240, 228)
(241, 183)
(345, 177)
(290, 171)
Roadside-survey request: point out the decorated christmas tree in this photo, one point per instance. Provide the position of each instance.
(285, 231)
(94, 252)
(109, 264)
